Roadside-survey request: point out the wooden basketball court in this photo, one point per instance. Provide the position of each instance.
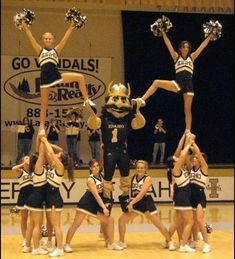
(142, 238)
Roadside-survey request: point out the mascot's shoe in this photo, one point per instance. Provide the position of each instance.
(139, 102)
(88, 101)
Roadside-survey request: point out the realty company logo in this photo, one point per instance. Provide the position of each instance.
(25, 86)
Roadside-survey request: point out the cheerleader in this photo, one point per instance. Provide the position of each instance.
(141, 204)
(50, 75)
(57, 163)
(184, 67)
(35, 202)
(26, 188)
(199, 175)
(91, 203)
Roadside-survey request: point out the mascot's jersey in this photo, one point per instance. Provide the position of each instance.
(115, 131)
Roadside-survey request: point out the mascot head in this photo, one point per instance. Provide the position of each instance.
(118, 101)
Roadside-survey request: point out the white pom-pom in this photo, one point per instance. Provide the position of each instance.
(161, 24)
(214, 28)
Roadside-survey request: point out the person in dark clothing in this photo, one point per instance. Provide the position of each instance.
(53, 132)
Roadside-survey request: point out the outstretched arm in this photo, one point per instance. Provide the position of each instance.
(64, 40)
(197, 52)
(173, 53)
(204, 165)
(180, 146)
(31, 38)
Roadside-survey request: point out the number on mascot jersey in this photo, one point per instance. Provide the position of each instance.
(114, 137)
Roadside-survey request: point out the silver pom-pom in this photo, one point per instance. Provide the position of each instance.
(214, 28)
(27, 16)
(73, 15)
(161, 24)
(44, 231)
(209, 228)
(14, 210)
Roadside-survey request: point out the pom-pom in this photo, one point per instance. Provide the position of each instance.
(214, 28)
(27, 16)
(14, 210)
(161, 24)
(73, 15)
(44, 231)
(209, 228)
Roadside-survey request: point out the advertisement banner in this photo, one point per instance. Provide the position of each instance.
(218, 189)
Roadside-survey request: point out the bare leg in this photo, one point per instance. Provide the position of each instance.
(76, 77)
(108, 224)
(164, 84)
(188, 223)
(188, 99)
(29, 231)
(44, 106)
(122, 221)
(79, 217)
(23, 222)
(201, 222)
(37, 220)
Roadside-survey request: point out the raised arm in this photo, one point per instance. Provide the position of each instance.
(197, 52)
(31, 38)
(92, 188)
(52, 156)
(173, 53)
(180, 146)
(204, 165)
(64, 40)
(17, 168)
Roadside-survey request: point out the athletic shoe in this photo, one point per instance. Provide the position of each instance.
(165, 244)
(186, 249)
(27, 249)
(114, 246)
(206, 248)
(121, 244)
(39, 251)
(67, 248)
(50, 247)
(199, 236)
(193, 244)
(57, 252)
(171, 246)
(139, 100)
(89, 102)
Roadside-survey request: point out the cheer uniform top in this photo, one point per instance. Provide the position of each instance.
(38, 197)
(88, 204)
(114, 136)
(54, 199)
(198, 182)
(48, 61)
(182, 191)
(26, 188)
(184, 73)
(146, 204)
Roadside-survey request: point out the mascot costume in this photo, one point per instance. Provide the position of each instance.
(119, 115)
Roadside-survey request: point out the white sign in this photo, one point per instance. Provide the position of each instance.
(218, 189)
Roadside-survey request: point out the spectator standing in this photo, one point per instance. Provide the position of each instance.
(94, 142)
(53, 132)
(25, 136)
(159, 141)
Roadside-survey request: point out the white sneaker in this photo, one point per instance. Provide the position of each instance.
(67, 248)
(186, 249)
(193, 244)
(50, 247)
(56, 252)
(165, 244)
(121, 244)
(88, 101)
(206, 248)
(114, 246)
(199, 236)
(39, 251)
(171, 246)
(27, 249)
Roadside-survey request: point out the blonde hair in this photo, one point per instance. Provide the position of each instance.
(142, 162)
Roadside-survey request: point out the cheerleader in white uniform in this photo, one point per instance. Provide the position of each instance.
(26, 188)
(141, 203)
(48, 61)
(91, 203)
(183, 60)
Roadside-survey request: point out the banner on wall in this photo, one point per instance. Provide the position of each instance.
(20, 93)
(217, 189)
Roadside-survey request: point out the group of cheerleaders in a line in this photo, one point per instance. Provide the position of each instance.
(41, 175)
